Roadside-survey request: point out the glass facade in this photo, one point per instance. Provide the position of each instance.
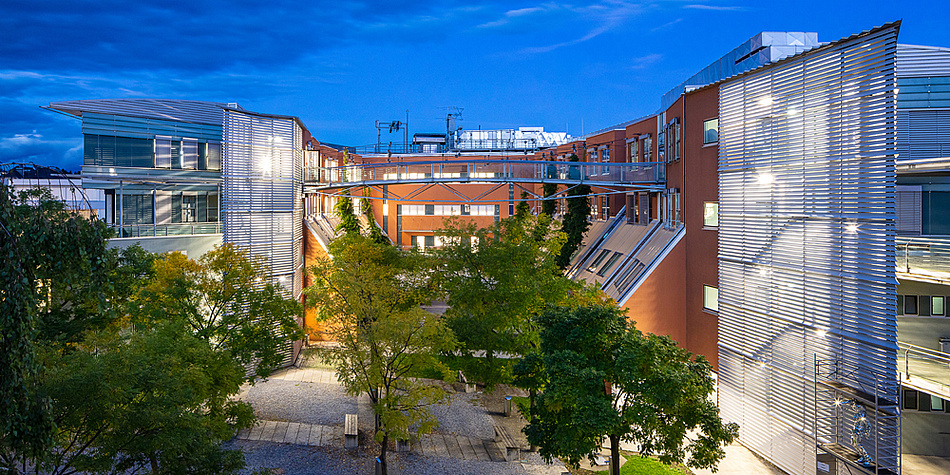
(160, 152)
(108, 151)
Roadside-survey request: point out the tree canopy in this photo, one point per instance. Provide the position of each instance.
(495, 280)
(370, 295)
(600, 377)
(223, 298)
(575, 221)
(81, 387)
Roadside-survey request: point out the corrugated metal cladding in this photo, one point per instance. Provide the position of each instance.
(922, 61)
(806, 237)
(262, 193)
(923, 133)
(169, 109)
(146, 128)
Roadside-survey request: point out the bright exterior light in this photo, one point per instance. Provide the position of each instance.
(765, 101)
(821, 333)
(766, 178)
(851, 228)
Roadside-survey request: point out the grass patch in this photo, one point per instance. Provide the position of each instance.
(637, 465)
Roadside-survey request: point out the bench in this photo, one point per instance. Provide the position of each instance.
(512, 449)
(350, 432)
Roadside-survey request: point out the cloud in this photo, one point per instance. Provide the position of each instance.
(199, 36)
(513, 14)
(666, 25)
(644, 62)
(605, 16)
(720, 8)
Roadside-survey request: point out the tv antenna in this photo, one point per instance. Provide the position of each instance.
(392, 126)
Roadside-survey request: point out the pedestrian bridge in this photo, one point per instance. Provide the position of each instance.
(642, 175)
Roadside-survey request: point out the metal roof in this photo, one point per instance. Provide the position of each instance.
(201, 112)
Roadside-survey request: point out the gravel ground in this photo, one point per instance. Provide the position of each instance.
(295, 401)
(299, 460)
(459, 415)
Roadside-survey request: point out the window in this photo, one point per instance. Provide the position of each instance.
(605, 158)
(710, 131)
(711, 214)
(910, 305)
(633, 151)
(610, 263)
(937, 308)
(138, 209)
(923, 305)
(673, 140)
(648, 149)
(163, 153)
(189, 208)
(600, 258)
(213, 156)
(212, 207)
(711, 298)
(189, 153)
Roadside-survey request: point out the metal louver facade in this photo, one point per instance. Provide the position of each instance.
(262, 193)
(806, 241)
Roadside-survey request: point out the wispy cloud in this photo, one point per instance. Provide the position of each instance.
(605, 16)
(719, 8)
(512, 14)
(666, 25)
(644, 62)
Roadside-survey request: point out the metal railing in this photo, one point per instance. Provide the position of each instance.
(918, 362)
(160, 230)
(488, 170)
(928, 256)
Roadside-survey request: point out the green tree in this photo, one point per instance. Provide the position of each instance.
(495, 281)
(549, 207)
(602, 377)
(54, 267)
(224, 298)
(370, 295)
(575, 221)
(522, 210)
(344, 210)
(374, 232)
(158, 399)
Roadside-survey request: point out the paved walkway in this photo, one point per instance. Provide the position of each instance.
(315, 435)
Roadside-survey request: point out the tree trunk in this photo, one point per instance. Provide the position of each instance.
(382, 453)
(154, 461)
(614, 454)
(534, 418)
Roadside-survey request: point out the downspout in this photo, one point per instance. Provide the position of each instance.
(683, 158)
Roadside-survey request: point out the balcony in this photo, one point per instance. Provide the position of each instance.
(924, 369)
(925, 257)
(163, 230)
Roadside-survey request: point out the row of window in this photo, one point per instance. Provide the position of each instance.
(186, 207)
(447, 210)
(923, 402)
(424, 242)
(640, 150)
(161, 152)
(922, 305)
(606, 265)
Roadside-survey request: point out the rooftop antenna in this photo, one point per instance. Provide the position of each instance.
(453, 114)
(393, 126)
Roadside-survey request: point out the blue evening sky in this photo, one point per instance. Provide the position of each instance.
(340, 66)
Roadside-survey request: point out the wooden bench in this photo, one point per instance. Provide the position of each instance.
(351, 432)
(512, 449)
